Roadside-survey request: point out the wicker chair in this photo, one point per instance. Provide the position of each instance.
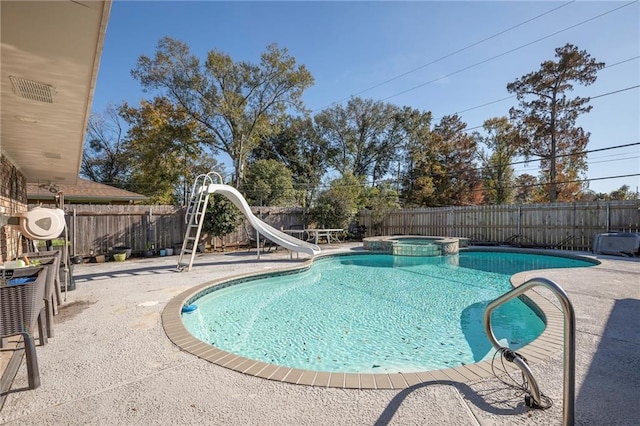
(21, 310)
(51, 261)
(45, 257)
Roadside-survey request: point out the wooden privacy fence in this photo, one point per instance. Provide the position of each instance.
(569, 226)
(98, 228)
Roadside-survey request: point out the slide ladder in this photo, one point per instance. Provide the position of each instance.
(194, 217)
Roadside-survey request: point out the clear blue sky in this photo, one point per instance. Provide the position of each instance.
(352, 48)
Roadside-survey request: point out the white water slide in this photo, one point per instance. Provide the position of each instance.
(267, 231)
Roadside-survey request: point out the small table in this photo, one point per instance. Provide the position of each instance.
(329, 234)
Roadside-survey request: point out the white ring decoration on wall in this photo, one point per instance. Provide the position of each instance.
(42, 223)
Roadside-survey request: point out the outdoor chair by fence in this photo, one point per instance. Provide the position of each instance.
(21, 311)
(50, 260)
(54, 289)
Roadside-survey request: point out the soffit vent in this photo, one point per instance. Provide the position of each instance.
(33, 90)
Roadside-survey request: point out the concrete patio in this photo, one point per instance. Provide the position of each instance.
(111, 363)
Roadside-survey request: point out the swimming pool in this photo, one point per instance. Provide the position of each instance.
(371, 313)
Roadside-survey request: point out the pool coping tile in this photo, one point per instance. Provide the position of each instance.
(322, 379)
(294, 376)
(367, 381)
(280, 374)
(412, 379)
(397, 381)
(307, 378)
(382, 381)
(337, 380)
(352, 381)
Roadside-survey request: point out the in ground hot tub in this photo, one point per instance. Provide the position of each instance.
(413, 245)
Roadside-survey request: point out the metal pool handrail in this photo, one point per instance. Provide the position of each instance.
(569, 350)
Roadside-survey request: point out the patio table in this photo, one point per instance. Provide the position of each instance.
(330, 234)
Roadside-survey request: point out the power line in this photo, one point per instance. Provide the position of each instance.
(325, 186)
(507, 52)
(620, 62)
(591, 97)
(303, 186)
(571, 181)
(614, 159)
(480, 168)
(534, 168)
(457, 51)
(560, 156)
(513, 96)
(616, 91)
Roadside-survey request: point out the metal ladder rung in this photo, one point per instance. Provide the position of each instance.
(195, 214)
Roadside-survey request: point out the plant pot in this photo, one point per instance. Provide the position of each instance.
(125, 250)
(163, 252)
(169, 251)
(120, 257)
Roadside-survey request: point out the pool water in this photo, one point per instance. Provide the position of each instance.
(371, 313)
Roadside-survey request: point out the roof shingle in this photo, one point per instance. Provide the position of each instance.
(84, 191)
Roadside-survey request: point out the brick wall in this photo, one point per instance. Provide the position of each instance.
(13, 199)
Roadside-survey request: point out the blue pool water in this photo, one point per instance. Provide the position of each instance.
(372, 313)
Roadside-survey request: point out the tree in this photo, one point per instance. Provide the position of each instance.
(299, 148)
(413, 133)
(164, 146)
(503, 142)
(361, 137)
(546, 116)
(203, 164)
(338, 205)
(526, 186)
(381, 200)
(105, 158)
(237, 104)
(623, 193)
(269, 183)
(222, 217)
(444, 173)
